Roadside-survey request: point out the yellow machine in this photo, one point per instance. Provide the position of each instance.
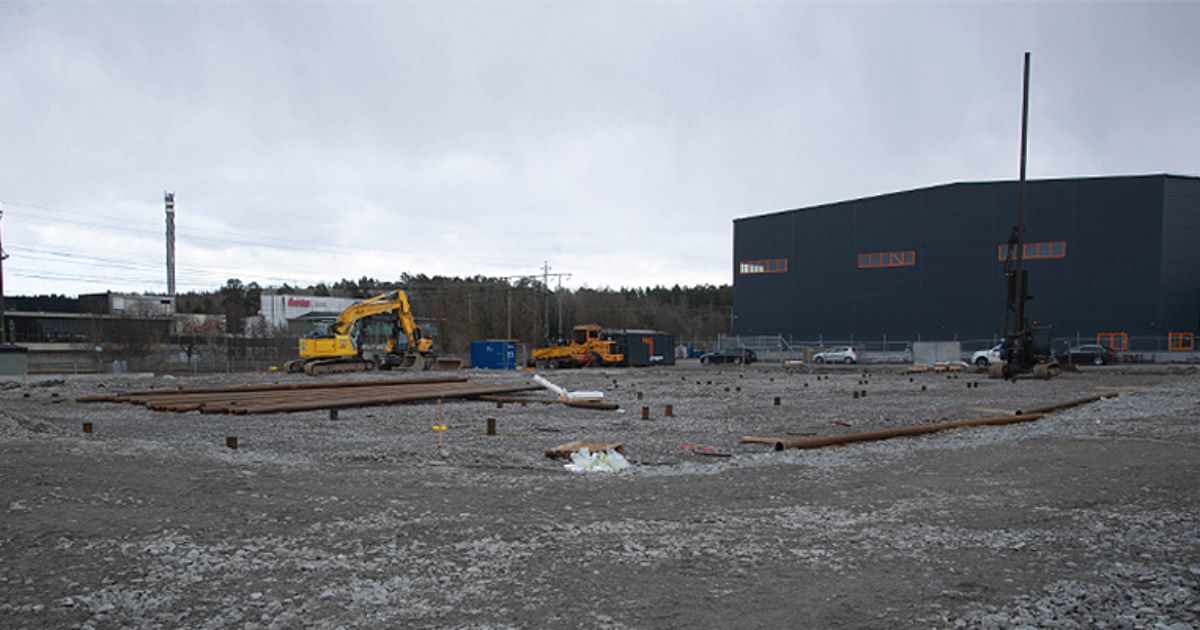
(334, 346)
(586, 349)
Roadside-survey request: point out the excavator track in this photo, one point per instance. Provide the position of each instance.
(337, 366)
(294, 366)
(421, 363)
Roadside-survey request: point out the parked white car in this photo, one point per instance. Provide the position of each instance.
(984, 358)
(837, 354)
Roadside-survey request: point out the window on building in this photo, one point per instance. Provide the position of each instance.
(1181, 341)
(876, 260)
(768, 265)
(1037, 251)
(1118, 341)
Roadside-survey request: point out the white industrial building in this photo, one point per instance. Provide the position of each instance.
(295, 313)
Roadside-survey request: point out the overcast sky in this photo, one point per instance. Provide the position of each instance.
(618, 141)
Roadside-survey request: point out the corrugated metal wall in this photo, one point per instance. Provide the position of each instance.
(1118, 273)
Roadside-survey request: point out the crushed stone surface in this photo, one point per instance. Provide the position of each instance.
(1085, 519)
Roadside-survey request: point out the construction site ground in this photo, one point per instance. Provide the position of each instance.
(1086, 518)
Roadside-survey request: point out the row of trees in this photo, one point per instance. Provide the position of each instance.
(463, 309)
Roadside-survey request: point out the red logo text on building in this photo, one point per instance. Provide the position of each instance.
(299, 302)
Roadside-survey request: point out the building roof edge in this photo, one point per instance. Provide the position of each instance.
(979, 182)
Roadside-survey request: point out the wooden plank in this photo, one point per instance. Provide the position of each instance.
(592, 404)
(518, 399)
(564, 451)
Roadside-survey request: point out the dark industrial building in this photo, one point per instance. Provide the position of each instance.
(643, 348)
(1111, 256)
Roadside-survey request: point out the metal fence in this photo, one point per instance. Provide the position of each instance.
(777, 348)
(182, 355)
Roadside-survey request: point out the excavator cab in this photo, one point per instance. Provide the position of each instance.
(586, 333)
(322, 329)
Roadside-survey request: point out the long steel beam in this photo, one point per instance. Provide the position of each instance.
(919, 429)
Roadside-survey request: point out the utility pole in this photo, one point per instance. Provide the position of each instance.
(545, 299)
(545, 278)
(3, 330)
(169, 199)
(508, 307)
(558, 291)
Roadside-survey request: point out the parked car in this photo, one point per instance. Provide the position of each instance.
(737, 356)
(1094, 354)
(838, 354)
(984, 358)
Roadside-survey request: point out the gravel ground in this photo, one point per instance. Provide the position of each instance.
(1087, 518)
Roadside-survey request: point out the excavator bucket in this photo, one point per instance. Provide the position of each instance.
(445, 363)
(413, 361)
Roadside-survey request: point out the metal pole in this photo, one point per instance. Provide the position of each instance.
(3, 330)
(169, 200)
(546, 300)
(1016, 335)
(1020, 280)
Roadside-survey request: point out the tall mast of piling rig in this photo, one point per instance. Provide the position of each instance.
(1018, 340)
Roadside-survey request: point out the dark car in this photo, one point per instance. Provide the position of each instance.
(737, 356)
(1094, 354)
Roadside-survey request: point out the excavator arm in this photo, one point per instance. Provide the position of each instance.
(395, 303)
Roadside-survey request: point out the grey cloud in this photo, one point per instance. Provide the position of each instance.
(484, 138)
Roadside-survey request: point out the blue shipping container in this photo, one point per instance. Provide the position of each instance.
(494, 355)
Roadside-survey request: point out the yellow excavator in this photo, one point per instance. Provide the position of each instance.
(334, 347)
(586, 349)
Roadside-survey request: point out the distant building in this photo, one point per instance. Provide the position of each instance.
(128, 304)
(71, 334)
(295, 314)
(1111, 256)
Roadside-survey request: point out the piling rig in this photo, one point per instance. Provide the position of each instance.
(1025, 352)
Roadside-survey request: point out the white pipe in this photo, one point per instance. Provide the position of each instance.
(563, 394)
(537, 378)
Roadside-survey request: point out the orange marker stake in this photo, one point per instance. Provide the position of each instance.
(440, 426)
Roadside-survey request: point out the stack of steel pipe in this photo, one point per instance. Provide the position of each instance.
(311, 396)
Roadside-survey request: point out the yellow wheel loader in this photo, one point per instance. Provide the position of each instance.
(586, 349)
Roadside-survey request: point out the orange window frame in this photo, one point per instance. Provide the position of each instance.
(1113, 338)
(1181, 341)
(1041, 250)
(882, 260)
(766, 265)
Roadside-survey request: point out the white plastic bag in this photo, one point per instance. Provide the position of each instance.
(585, 461)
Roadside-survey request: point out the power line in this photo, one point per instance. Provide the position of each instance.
(92, 279)
(79, 259)
(236, 238)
